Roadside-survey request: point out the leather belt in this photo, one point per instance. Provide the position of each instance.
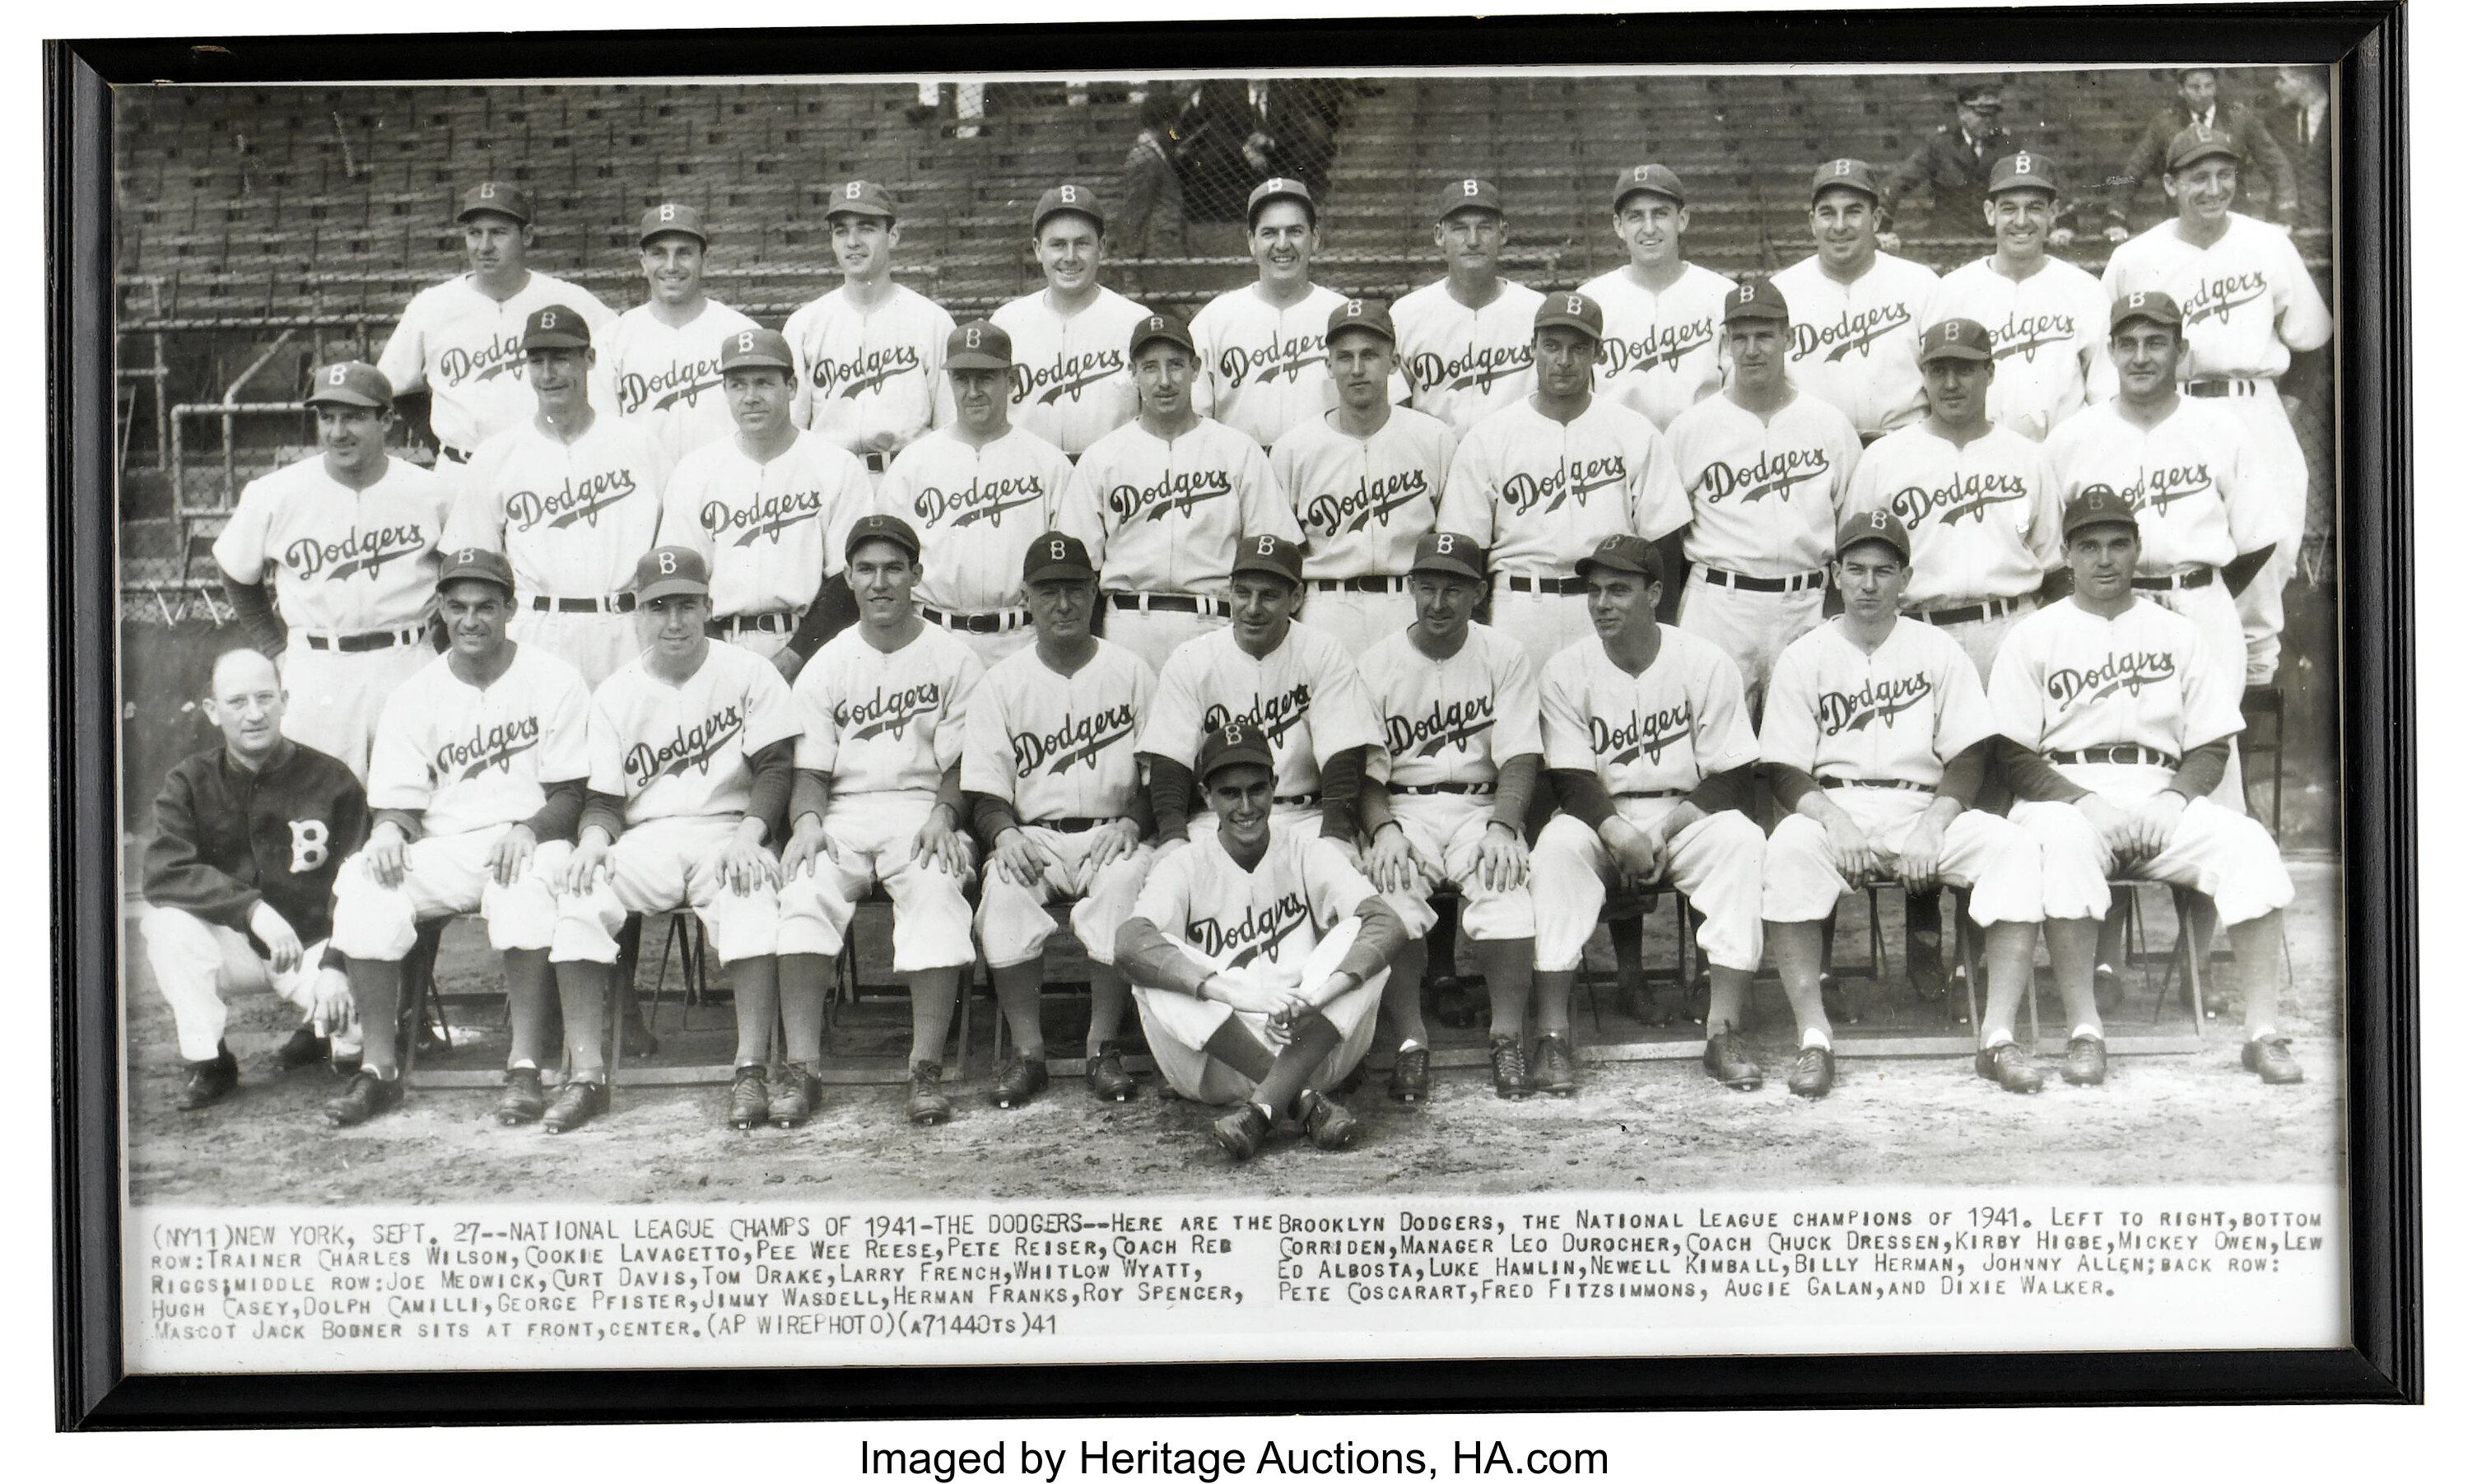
(621, 602)
(1445, 788)
(1655, 793)
(1994, 607)
(1718, 578)
(2230, 386)
(779, 623)
(1544, 584)
(1296, 799)
(453, 455)
(1876, 783)
(875, 462)
(2200, 576)
(1167, 603)
(2127, 753)
(1072, 824)
(362, 643)
(1000, 621)
(1357, 585)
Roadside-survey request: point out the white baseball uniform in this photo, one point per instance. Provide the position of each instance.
(1662, 352)
(975, 509)
(1264, 368)
(466, 349)
(1362, 504)
(1071, 376)
(871, 381)
(1876, 729)
(2069, 680)
(667, 377)
(1062, 750)
(1764, 496)
(1541, 493)
(473, 762)
(1305, 697)
(768, 531)
(887, 727)
(681, 758)
(1466, 363)
(346, 564)
(1652, 739)
(1448, 724)
(1857, 344)
(2048, 334)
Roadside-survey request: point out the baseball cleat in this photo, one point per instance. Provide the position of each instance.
(794, 1093)
(367, 1096)
(522, 1102)
(211, 1081)
(576, 1104)
(305, 1048)
(1555, 1069)
(1728, 1064)
(1107, 1079)
(1410, 1080)
(1812, 1071)
(1242, 1131)
(1327, 1122)
(2009, 1068)
(2270, 1058)
(749, 1099)
(1020, 1079)
(927, 1104)
(1509, 1078)
(2086, 1064)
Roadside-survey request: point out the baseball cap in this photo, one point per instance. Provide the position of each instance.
(2023, 171)
(354, 383)
(1576, 311)
(883, 528)
(1955, 339)
(1754, 298)
(1272, 554)
(1657, 178)
(2146, 304)
(1279, 188)
(2098, 505)
(1467, 195)
(1976, 91)
(475, 564)
(1161, 327)
(1363, 314)
(1447, 551)
(1624, 554)
(672, 216)
(979, 344)
(1055, 555)
(2200, 141)
(1235, 743)
(756, 347)
(861, 198)
(1847, 174)
(1874, 525)
(498, 197)
(669, 571)
(1067, 198)
(557, 327)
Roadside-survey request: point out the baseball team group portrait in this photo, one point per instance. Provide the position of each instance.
(1423, 632)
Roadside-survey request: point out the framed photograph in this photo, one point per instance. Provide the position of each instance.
(1641, 711)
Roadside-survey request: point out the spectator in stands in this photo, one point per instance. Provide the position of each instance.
(2303, 119)
(2198, 102)
(1150, 183)
(1953, 165)
(1236, 134)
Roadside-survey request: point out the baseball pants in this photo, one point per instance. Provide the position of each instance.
(1991, 856)
(1446, 831)
(876, 835)
(2226, 857)
(1752, 628)
(597, 644)
(1013, 923)
(1719, 861)
(446, 876)
(1153, 636)
(1357, 620)
(1982, 637)
(2262, 607)
(991, 649)
(758, 642)
(1179, 1026)
(659, 866)
(2214, 612)
(331, 700)
(195, 963)
(1544, 623)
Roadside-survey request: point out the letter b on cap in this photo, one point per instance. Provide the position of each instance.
(548, 319)
(1069, 192)
(334, 375)
(1576, 304)
(974, 335)
(668, 211)
(856, 188)
(1446, 545)
(744, 340)
(668, 564)
(1474, 187)
(1054, 550)
(1268, 546)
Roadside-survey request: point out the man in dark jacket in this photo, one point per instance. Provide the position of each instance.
(1953, 165)
(240, 880)
(2198, 101)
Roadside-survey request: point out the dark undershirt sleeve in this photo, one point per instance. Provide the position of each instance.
(809, 794)
(990, 816)
(406, 820)
(2237, 575)
(253, 605)
(1376, 947)
(1146, 955)
(775, 775)
(1169, 795)
(1789, 785)
(1515, 795)
(604, 810)
(1965, 773)
(834, 608)
(1582, 793)
(559, 812)
(1374, 811)
(1675, 574)
(2033, 779)
(2202, 770)
(1735, 790)
(1340, 788)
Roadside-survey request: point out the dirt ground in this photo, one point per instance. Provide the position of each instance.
(1656, 1125)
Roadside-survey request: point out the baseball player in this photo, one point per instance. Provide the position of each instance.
(463, 339)
(1162, 502)
(573, 500)
(1662, 314)
(886, 711)
(1651, 753)
(1366, 481)
(1767, 468)
(766, 508)
(1070, 377)
(1541, 483)
(1256, 957)
(348, 541)
(2253, 317)
(660, 359)
(1855, 310)
(869, 352)
(2045, 316)
(2118, 697)
(691, 747)
(1052, 778)
(475, 787)
(239, 878)
(1876, 736)
(977, 491)
(1460, 718)
(1466, 343)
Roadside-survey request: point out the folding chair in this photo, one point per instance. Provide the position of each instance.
(847, 992)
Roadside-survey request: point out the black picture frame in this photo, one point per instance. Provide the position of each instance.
(2365, 42)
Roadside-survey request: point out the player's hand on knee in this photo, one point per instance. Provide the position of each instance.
(382, 857)
(2156, 820)
(582, 869)
(1636, 853)
(1022, 862)
(282, 943)
(1923, 852)
(807, 844)
(1392, 864)
(1111, 842)
(2115, 827)
(511, 856)
(1501, 862)
(943, 846)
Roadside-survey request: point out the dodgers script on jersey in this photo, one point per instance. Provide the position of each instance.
(1983, 516)
(1305, 697)
(1364, 502)
(1836, 711)
(1070, 377)
(667, 377)
(1162, 514)
(469, 757)
(880, 722)
(1857, 344)
(2247, 298)
(1465, 364)
(1662, 352)
(1452, 720)
(1679, 722)
(1263, 369)
(572, 518)
(682, 751)
(2188, 478)
(342, 560)
(466, 349)
(1060, 746)
(1274, 913)
(871, 381)
(1541, 493)
(975, 509)
(2048, 334)
(1765, 494)
(2068, 679)
(769, 532)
